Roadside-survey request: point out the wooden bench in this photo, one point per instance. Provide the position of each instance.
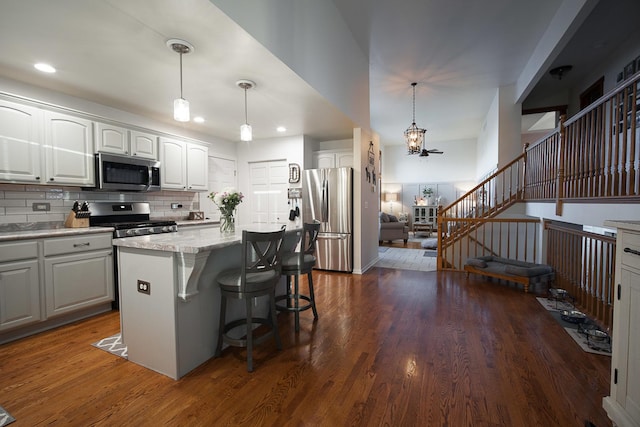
(525, 273)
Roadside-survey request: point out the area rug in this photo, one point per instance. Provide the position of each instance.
(112, 345)
(5, 417)
(382, 249)
(430, 253)
(555, 308)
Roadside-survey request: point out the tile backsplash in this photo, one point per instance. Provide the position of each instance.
(17, 202)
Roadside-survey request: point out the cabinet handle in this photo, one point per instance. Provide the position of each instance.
(51, 179)
(37, 178)
(79, 245)
(631, 251)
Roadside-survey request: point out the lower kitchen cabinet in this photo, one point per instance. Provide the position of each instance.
(77, 281)
(623, 404)
(19, 293)
(51, 281)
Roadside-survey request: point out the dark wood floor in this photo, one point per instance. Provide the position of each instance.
(391, 347)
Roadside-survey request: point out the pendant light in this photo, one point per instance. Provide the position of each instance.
(414, 135)
(245, 129)
(180, 105)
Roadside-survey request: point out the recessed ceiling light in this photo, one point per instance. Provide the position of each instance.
(281, 129)
(45, 68)
(198, 119)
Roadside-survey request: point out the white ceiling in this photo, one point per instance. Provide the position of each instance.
(113, 52)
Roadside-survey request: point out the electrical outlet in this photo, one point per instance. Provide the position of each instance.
(176, 206)
(41, 207)
(144, 287)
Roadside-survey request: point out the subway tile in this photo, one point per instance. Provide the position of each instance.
(13, 202)
(10, 219)
(12, 187)
(25, 195)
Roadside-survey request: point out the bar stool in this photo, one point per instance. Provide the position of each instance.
(295, 264)
(258, 275)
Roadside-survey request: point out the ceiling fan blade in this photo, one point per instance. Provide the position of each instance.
(435, 151)
(424, 153)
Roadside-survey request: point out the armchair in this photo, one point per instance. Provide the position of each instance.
(392, 229)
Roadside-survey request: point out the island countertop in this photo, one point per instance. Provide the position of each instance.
(194, 241)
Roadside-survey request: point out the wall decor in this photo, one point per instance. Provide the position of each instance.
(294, 173)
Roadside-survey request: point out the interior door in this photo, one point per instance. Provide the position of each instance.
(268, 198)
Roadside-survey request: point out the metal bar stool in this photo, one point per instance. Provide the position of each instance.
(295, 264)
(258, 275)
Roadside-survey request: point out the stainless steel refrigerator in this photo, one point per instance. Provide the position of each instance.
(327, 197)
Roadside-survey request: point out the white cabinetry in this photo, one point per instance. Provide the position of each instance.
(425, 214)
(623, 405)
(19, 284)
(78, 272)
(332, 159)
(20, 143)
(119, 140)
(184, 165)
(68, 149)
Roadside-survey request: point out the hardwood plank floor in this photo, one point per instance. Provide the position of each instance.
(391, 347)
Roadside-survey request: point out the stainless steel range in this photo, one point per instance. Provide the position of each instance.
(129, 219)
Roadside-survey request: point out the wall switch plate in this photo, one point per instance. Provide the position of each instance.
(144, 287)
(176, 206)
(41, 207)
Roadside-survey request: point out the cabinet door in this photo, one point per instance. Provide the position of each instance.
(69, 150)
(144, 145)
(19, 294)
(78, 281)
(324, 160)
(19, 143)
(627, 343)
(344, 159)
(112, 139)
(173, 174)
(197, 167)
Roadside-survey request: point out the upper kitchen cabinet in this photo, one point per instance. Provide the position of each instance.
(184, 165)
(20, 143)
(119, 140)
(332, 159)
(69, 153)
(144, 144)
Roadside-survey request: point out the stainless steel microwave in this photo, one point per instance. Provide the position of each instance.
(123, 173)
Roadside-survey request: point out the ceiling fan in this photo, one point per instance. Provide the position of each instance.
(425, 152)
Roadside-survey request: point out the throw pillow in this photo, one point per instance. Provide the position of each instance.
(392, 218)
(476, 262)
(384, 217)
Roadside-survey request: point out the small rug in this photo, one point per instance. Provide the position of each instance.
(382, 249)
(555, 308)
(430, 253)
(113, 345)
(5, 417)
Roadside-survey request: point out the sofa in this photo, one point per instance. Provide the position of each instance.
(392, 229)
(525, 273)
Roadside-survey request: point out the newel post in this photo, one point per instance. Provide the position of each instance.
(560, 166)
(523, 191)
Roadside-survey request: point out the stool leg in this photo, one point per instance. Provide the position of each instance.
(248, 304)
(274, 320)
(312, 295)
(223, 310)
(296, 297)
(288, 291)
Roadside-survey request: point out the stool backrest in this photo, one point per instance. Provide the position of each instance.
(261, 253)
(308, 241)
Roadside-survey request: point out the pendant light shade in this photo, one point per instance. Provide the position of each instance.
(245, 130)
(414, 136)
(180, 105)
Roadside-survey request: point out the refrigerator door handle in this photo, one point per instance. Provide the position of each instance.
(332, 236)
(325, 201)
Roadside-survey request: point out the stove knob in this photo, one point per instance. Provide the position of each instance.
(166, 229)
(130, 232)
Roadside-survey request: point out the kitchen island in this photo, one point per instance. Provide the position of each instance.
(169, 298)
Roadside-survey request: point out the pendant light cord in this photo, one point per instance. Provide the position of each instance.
(181, 75)
(246, 120)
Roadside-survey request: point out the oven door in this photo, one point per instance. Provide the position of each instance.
(121, 173)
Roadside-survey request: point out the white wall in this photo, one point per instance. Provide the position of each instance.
(487, 146)
(365, 201)
(311, 37)
(591, 214)
(510, 128)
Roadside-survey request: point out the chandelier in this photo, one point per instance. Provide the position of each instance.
(414, 135)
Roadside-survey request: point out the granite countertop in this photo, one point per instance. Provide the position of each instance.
(633, 225)
(187, 222)
(193, 241)
(43, 230)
